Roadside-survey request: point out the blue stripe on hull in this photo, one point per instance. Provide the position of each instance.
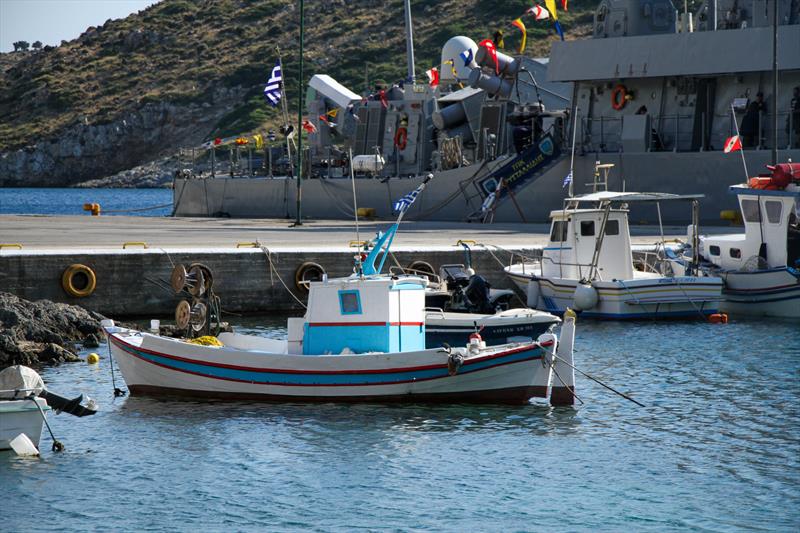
(312, 379)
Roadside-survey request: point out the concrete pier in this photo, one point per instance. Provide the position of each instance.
(249, 277)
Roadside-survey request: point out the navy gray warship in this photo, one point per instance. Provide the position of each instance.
(651, 99)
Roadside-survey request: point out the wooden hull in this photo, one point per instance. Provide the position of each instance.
(158, 366)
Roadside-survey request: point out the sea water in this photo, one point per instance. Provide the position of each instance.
(716, 448)
(137, 202)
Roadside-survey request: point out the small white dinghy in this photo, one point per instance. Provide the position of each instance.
(21, 408)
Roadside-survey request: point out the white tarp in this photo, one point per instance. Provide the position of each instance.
(333, 90)
(18, 378)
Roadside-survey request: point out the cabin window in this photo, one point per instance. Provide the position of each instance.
(350, 302)
(559, 231)
(713, 250)
(612, 227)
(735, 253)
(587, 228)
(773, 209)
(750, 210)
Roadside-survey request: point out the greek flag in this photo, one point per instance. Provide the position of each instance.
(402, 205)
(567, 180)
(273, 89)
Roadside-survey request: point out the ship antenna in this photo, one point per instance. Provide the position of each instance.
(412, 77)
(774, 83)
(355, 212)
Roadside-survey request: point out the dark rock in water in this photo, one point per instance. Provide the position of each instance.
(43, 332)
(91, 341)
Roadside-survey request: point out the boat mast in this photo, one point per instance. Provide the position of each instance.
(775, 83)
(298, 220)
(412, 77)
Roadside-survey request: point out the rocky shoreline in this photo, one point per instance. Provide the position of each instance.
(153, 175)
(43, 333)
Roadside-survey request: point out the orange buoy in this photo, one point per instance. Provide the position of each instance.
(718, 318)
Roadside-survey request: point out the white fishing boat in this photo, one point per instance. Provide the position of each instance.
(761, 267)
(587, 265)
(362, 339)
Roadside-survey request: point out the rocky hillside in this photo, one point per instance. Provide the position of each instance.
(180, 72)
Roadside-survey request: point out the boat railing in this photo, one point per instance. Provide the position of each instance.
(675, 132)
(434, 279)
(583, 268)
(434, 310)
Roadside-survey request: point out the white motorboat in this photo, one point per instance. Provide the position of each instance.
(587, 265)
(761, 267)
(22, 411)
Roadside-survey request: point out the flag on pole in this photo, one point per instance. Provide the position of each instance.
(732, 144)
(492, 49)
(402, 205)
(551, 7)
(467, 56)
(539, 13)
(567, 180)
(433, 76)
(559, 31)
(519, 24)
(273, 89)
(564, 4)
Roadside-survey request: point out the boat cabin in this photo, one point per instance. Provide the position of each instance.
(574, 235)
(359, 314)
(594, 242)
(771, 237)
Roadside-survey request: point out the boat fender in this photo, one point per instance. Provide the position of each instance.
(533, 294)
(306, 273)
(718, 318)
(619, 97)
(454, 362)
(78, 280)
(585, 297)
(401, 138)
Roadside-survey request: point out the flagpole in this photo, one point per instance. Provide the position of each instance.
(298, 219)
(572, 157)
(741, 150)
(285, 110)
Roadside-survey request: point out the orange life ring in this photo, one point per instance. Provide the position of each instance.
(619, 97)
(401, 138)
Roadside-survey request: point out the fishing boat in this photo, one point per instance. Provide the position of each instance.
(587, 265)
(761, 267)
(362, 339)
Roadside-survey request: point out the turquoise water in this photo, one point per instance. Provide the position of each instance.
(21, 201)
(716, 449)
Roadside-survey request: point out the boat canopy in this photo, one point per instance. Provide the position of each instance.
(615, 196)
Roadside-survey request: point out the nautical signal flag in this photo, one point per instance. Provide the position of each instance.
(539, 13)
(309, 126)
(551, 7)
(567, 180)
(433, 76)
(732, 144)
(519, 24)
(564, 5)
(467, 56)
(490, 47)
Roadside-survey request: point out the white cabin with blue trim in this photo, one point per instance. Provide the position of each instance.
(376, 313)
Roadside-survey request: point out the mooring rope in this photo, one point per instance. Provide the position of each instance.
(138, 209)
(272, 269)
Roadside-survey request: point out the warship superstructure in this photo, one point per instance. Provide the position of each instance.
(655, 92)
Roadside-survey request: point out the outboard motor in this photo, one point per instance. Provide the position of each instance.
(477, 297)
